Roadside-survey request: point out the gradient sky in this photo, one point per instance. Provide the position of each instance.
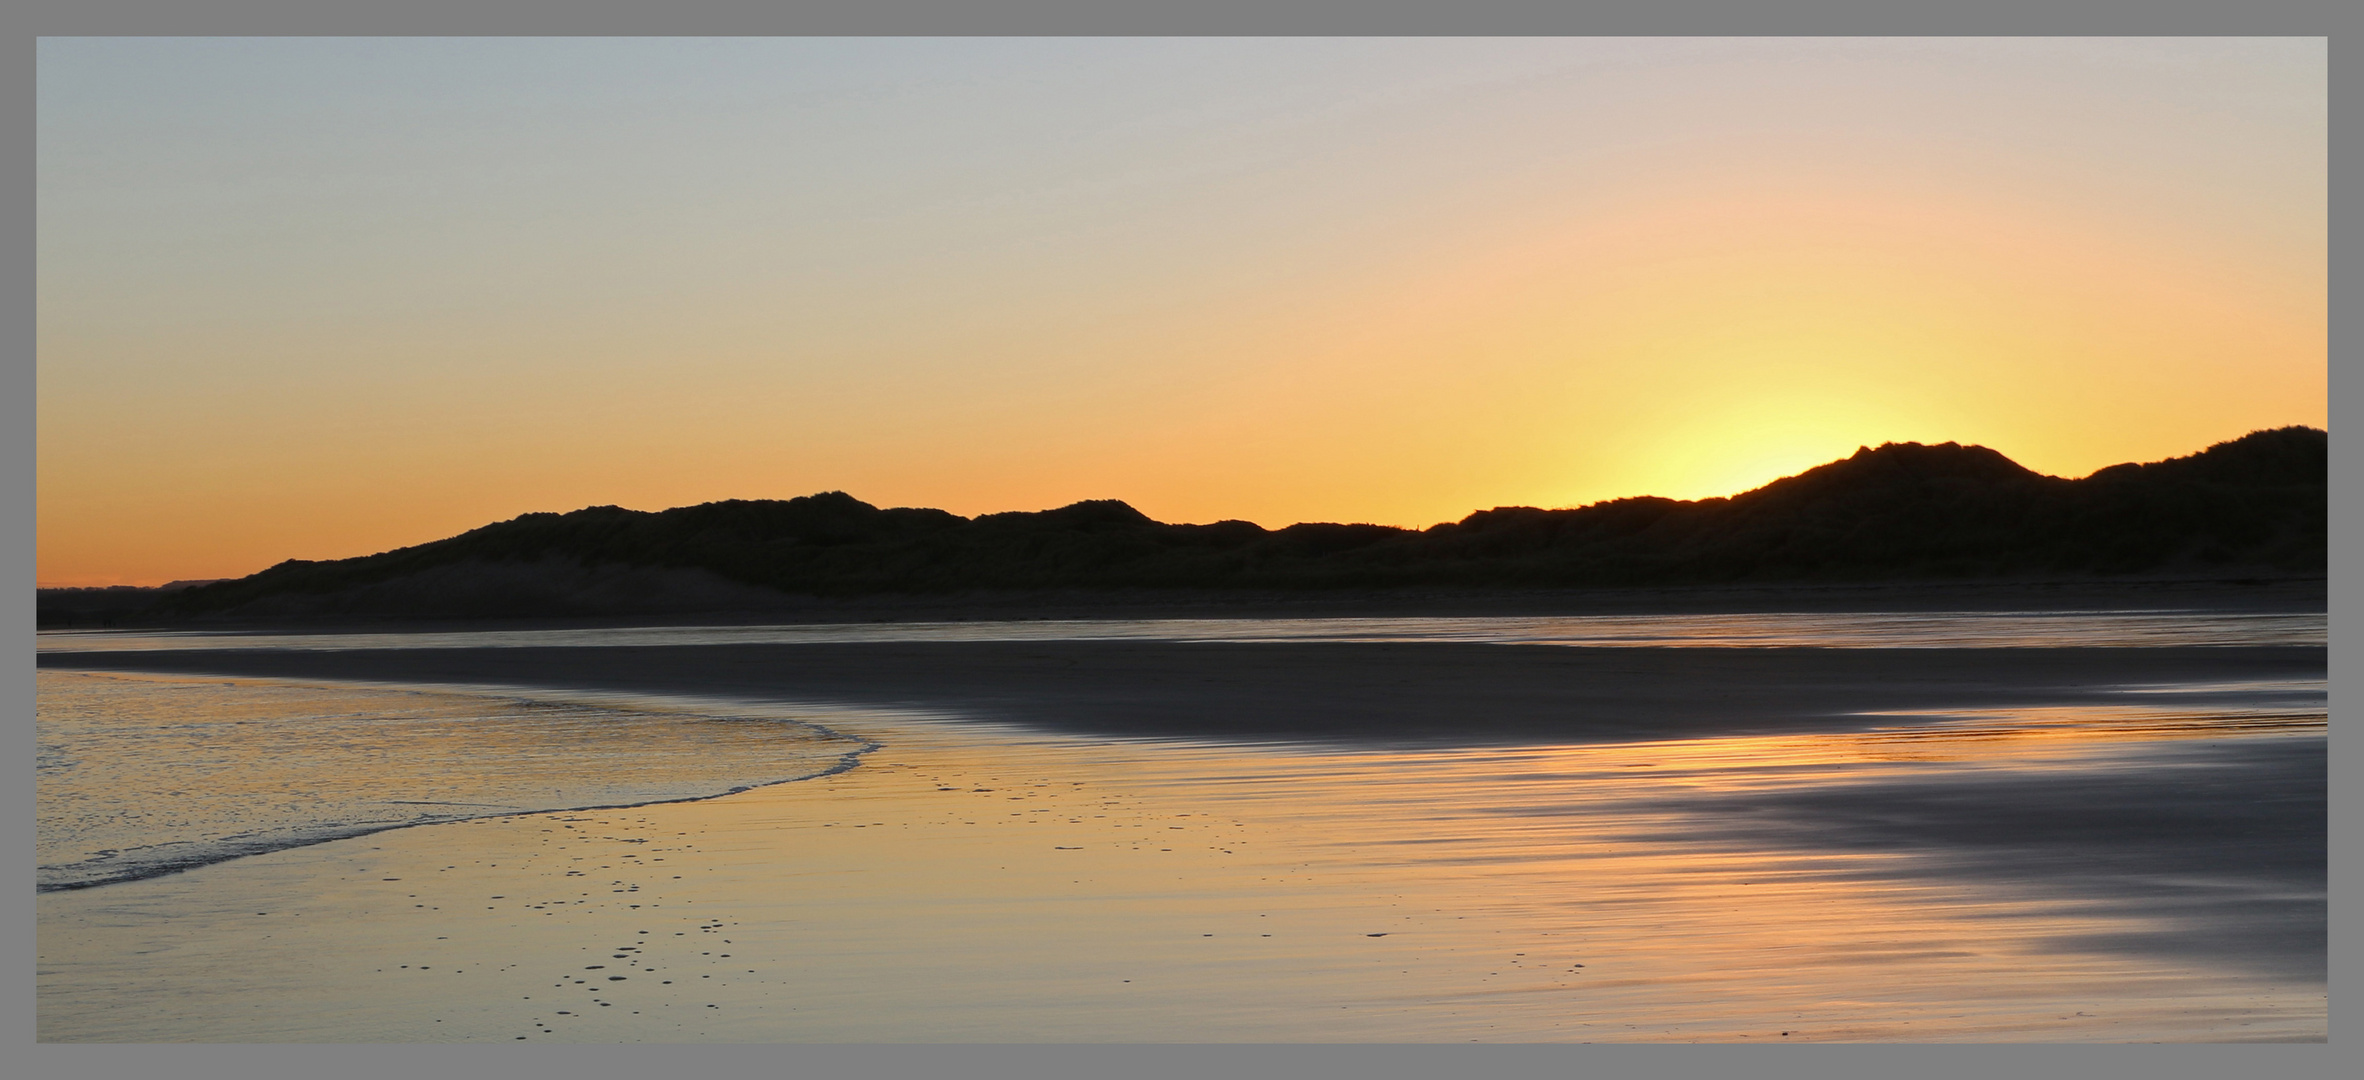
(306, 298)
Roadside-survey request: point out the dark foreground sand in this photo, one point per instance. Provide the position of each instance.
(1371, 693)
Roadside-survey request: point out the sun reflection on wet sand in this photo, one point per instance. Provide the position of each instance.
(971, 882)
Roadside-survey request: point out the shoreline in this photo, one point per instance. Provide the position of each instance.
(359, 814)
(1083, 841)
(979, 885)
(851, 760)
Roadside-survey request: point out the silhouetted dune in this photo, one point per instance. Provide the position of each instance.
(1902, 511)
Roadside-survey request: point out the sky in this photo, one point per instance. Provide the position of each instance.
(318, 298)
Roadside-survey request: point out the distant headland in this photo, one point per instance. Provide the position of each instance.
(2254, 506)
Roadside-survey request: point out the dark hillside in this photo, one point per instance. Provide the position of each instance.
(1899, 511)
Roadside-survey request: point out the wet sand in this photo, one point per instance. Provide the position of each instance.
(1420, 842)
(977, 883)
(1372, 693)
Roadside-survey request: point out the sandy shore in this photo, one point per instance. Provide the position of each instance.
(975, 883)
(1149, 841)
(1371, 692)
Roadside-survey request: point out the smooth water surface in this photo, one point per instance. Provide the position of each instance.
(137, 776)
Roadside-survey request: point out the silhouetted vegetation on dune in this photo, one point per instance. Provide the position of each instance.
(1899, 511)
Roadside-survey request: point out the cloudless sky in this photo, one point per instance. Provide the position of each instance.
(317, 298)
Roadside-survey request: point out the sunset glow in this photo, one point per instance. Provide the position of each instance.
(317, 299)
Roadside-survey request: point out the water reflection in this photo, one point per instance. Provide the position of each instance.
(2147, 868)
(138, 775)
(2128, 873)
(2145, 833)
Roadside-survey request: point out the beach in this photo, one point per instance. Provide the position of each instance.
(1087, 841)
(820, 541)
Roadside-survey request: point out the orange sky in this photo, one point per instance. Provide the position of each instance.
(317, 299)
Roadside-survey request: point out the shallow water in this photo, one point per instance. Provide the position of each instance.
(138, 776)
(2152, 868)
(1846, 630)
